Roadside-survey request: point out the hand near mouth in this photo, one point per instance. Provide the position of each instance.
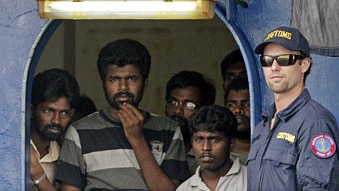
(132, 121)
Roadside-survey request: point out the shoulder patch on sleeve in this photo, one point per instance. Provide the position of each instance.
(323, 145)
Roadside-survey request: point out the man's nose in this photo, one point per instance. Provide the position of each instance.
(56, 118)
(206, 145)
(239, 109)
(123, 84)
(275, 66)
(179, 109)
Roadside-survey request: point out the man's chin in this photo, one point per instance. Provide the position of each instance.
(116, 105)
(53, 137)
(182, 123)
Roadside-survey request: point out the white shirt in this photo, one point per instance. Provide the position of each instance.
(49, 161)
(234, 180)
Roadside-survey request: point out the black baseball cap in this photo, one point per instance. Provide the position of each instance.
(288, 37)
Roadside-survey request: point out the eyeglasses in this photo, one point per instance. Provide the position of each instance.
(186, 104)
(282, 60)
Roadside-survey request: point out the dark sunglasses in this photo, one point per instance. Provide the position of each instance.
(282, 60)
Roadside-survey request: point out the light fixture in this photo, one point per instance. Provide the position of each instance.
(126, 9)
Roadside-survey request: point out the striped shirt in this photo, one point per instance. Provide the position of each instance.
(97, 155)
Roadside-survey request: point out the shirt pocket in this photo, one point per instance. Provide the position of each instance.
(282, 156)
(252, 155)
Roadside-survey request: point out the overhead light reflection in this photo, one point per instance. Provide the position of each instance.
(115, 9)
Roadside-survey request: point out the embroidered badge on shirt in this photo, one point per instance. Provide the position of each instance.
(157, 150)
(323, 146)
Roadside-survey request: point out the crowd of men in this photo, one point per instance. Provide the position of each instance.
(197, 144)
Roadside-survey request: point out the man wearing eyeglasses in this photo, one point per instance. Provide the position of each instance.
(186, 91)
(294, 147)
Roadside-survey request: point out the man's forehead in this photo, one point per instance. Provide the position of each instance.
(239, 91)
(236, 66)
(131, 68)
(207, 133)
(124, 75)
(188, 91)
(59, 104)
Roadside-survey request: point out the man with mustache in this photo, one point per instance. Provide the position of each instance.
(237, 99)
(54, 96)
(186, 91)
(123, 147)
(213, 128)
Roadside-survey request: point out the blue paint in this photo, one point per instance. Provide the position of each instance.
(254, 70)
(37, 49)
(20, 26)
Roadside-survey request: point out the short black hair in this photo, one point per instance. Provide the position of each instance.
(52, 84)
(191, 78)
(232, 58)
(214, 118)
(85, 106)
(237, 84)
(123, 52)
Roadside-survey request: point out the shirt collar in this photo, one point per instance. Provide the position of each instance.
(235, 169)
(293, 108)
(53, 154)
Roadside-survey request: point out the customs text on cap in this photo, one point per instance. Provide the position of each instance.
(288, 37)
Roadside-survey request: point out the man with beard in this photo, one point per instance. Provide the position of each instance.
(54, 96)
(237, 99)
(123, 147)
(186, 91)
(213, 128)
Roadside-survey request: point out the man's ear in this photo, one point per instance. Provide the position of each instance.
(306, 64)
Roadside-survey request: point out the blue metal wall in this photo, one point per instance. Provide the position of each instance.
(20, 26)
